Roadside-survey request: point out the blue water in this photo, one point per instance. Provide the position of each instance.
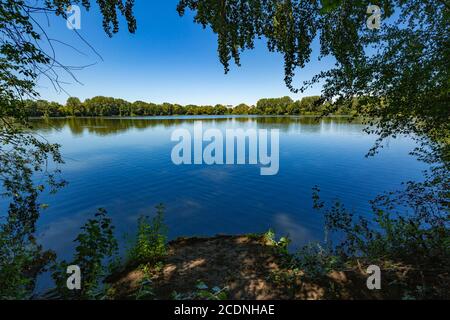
(124, 166)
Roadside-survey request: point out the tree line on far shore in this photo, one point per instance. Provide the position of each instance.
(108, 106)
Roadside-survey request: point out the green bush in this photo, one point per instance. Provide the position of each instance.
(408, 230)
(149, 245)
(94, 254)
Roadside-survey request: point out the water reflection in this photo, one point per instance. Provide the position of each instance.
(109, 126)
(124, 165)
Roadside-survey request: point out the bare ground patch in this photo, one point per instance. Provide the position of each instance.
(248, 267)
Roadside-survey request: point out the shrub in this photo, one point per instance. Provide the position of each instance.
(408, 230)
(149, 245)
(96, 246)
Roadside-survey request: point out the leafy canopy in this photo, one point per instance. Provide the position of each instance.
(25, 155)
(401, 70)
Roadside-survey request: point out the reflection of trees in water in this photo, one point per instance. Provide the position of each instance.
(108, 126)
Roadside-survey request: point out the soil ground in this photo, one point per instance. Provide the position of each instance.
(247, 267)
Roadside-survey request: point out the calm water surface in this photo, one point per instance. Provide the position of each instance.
(124, 166)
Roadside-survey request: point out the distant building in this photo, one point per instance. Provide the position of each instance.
(229, 106)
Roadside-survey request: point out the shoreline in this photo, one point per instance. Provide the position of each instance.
(253, 267)
(229, 267)
(205, 116)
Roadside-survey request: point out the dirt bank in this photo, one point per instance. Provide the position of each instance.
(244, 267)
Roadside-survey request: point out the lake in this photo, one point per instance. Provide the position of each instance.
(124, 165)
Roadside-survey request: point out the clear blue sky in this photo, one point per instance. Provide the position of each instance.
(168, 59)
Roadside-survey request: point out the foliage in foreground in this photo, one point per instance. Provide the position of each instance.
(26, 157)
(23, 157)
(94, 253)
(202, 292)
(407, 233)
(405, 83)
(22, 259)
(149, 245)
(401, 70)
(97, 256)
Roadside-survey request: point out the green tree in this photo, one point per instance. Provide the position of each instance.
(274, 105)
(310, 104)
(400, 72)
(74, 107)
(241, 109)
(22, 153)
(220, 109)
